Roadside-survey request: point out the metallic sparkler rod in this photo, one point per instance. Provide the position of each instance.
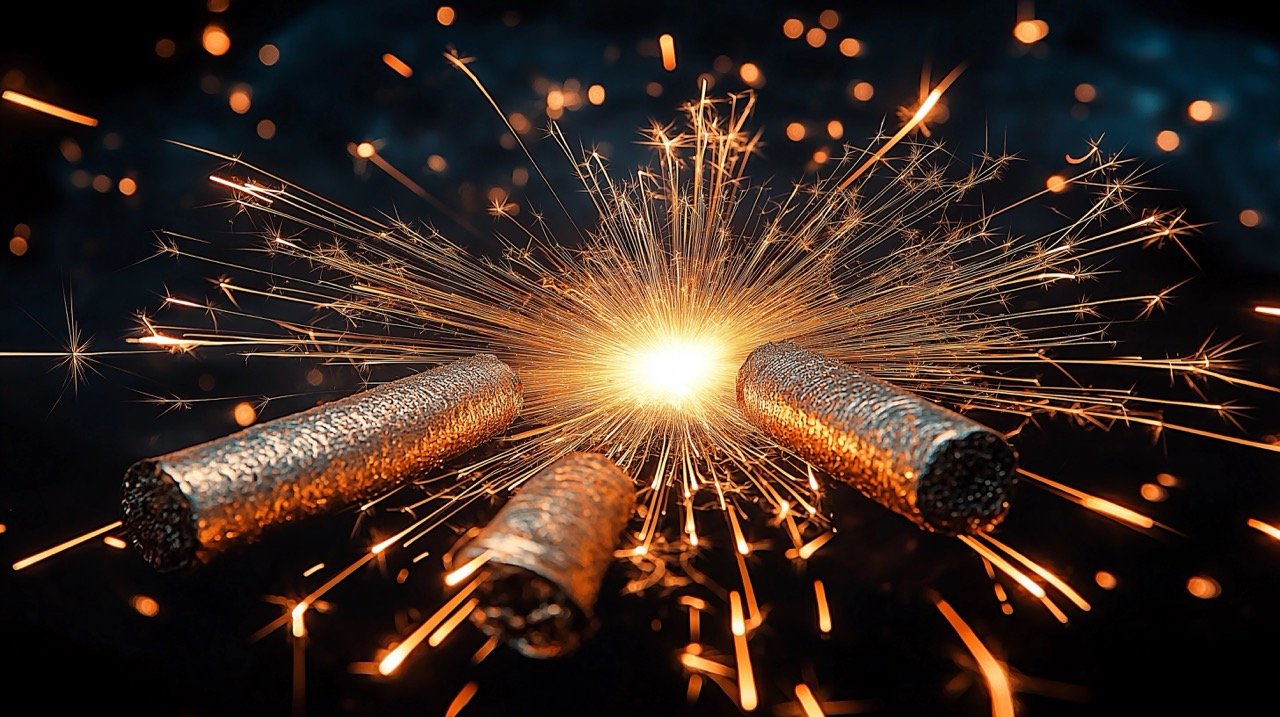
(186, 507)
(944, 472)
(548, 550)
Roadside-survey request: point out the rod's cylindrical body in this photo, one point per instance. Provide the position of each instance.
(940, 470)
(185, 507)
(549, 548)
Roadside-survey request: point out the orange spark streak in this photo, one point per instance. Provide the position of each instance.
(746, 680)
(806, 551)
(313, 570)
(464, 572)
(460, 701)
(396, 657)
(112, 541)
(702, 664)
(1094, 503)
(1043, 572)
(824, 610)
(1267, 529)
(41, 106)
(1005, 566)
(400, 66)
(995, 674)
(447, 628)
(1268, 310)
(808, 702)
(28, 562)
(297, 619)
(668, 45)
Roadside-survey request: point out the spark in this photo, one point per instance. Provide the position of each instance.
(1267, 310)
(1266, 529)
(467, 569)
(112, 541)
(392, 661)
(50, 109)
(60, 547)
(808, 702)
(992, 670)
(824, 610)
(746, 680)
(399, 66)
(667, 44)
(462, 699)
(313, 570)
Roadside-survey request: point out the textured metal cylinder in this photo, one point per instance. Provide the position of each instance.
(940, 470)
(186, 507)
(549, 548)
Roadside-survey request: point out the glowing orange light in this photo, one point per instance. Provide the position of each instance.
(1086, 92)
(399, 66)
(850, 47)
(240, 99)
(313, 570)
(215, 40)
(835, 129)
(165, 47)
(145, 606)
(1166, 480)
(436, 163)
(297, 619)
(820, 156)
(829, 19)
(1056, 183)
(862, 91)
(1029, 32)
(746, 679)
(50, 109)
(1265, 528)
(750, 74)
(102, 183)
(1167, 140)
(365, 150)
(1204, 587)
(218, 5)
(244, 414)
(595, 94)
(653, 89)
(816, 37)
(1267, 310)
(808, 703)
(795, 131)
(115, 543)
(992, 670)
(793, 28)
(1200, 110)
(461, 699)
(266, 129)
(445, 15)
(1105, 580)
(70, 150)
(268, 55)
(824, 610)
(67, 545)
(667, 44)
(1250, 218)
(18, 246)
(468, 569)
(127, 187)
(1153, 492)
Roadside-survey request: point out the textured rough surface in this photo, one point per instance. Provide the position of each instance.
(187, 506)
(942, 471)
(550, 546)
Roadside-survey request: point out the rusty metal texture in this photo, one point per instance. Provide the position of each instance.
(549, 548)
(944, 472)
(185, 507)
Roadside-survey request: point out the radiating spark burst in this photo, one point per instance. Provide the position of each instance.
(628, 340)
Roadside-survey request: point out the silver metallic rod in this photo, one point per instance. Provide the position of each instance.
(944, 472)
(548, 550)
(186, 507)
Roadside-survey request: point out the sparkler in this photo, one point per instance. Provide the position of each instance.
(629, 344)
(186, 507)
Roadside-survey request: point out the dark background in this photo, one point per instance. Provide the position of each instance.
(66, 625)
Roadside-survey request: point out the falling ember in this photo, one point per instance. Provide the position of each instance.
(1029, 32)
(862, 91)
(667, 44)
(1167, 140)
(1204, 587)
(461, 700)
(1250, 218)
(1200, 110)
(808, 703)
(1266, 529)
(816, 37)
(850, 47)
(112, 541)
(824, 610)
(793, 28)
(992, 670)
(144, 605)
(313, 570)
(244, 414)
(22, 100)
(748, 698)
(1105, 580)
(400, 67)
(1056, 183)
(127, 186)
(795, 131)
(445, 15)
(215, 40)
(18, 246)
(750, 74)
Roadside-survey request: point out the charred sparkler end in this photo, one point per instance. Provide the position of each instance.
(186, 507)
(548, 549)
(940, 470)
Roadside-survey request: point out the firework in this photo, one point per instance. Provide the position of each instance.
(938, 469)
(188, 506)
(546, 552)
